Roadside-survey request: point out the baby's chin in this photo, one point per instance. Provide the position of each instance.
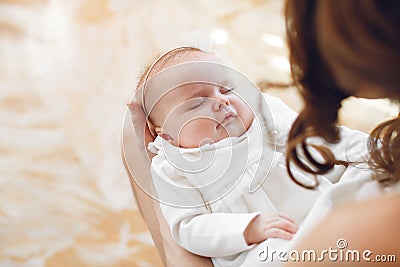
(206, 141)
(235, 129)
(232, 130)
(226, 133)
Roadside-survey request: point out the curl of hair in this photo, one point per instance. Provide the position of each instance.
(384, 148)
(321, 95)
(321, 35)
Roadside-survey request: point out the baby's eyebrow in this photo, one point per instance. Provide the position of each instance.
(196, 93)
(199, 90)
(224, 83)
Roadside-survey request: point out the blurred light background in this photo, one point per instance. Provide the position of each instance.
(67, 71)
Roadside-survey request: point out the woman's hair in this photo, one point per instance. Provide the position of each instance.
(332, 42)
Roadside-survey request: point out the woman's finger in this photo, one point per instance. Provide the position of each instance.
(140, 125)
(139, 122)
(286, 218)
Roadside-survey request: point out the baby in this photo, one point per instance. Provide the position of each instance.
(219, 170)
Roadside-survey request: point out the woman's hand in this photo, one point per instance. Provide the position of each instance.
(171, 254)
(142, 130)
(265, 226)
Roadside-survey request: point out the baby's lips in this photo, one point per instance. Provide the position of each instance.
(227, 116)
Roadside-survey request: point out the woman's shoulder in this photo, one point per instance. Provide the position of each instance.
(371, 225)
(380, 206)
(373, 211)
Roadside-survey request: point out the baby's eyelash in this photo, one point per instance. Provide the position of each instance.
(196, 106)
(226, 89)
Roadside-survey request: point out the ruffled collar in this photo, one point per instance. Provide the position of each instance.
(160, 144)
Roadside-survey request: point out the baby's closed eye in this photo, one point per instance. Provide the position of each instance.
(195, 103)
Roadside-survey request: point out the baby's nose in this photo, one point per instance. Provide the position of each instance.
(220, 102)
(226, 102)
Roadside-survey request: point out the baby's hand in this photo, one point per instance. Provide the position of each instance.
(265, 226)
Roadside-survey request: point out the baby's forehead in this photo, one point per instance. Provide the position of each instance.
(183, 80)
(184, 92)
(178, 59)
(179, 73)
(194, 89)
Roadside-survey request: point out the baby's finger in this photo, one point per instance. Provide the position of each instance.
(278, 233)
(286, 218)
(284, 225)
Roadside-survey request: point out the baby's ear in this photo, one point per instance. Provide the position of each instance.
(159, 132)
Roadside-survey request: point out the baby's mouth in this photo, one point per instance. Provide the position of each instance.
(227, 119)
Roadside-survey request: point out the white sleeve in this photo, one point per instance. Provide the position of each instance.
(208, 234)
(193, 227)
(282, 114)
(352, 148)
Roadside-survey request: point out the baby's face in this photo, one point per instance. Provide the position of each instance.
(200, 113)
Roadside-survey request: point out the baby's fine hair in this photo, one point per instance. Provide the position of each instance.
(168, 59)
(163, 61)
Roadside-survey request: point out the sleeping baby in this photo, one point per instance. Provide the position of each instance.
(219, 171)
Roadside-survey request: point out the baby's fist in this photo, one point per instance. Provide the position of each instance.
(265, 226)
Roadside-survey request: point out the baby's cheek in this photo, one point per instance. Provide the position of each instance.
(246, 115)
(197, 132)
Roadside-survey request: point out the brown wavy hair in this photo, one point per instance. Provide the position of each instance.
(336, 46)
